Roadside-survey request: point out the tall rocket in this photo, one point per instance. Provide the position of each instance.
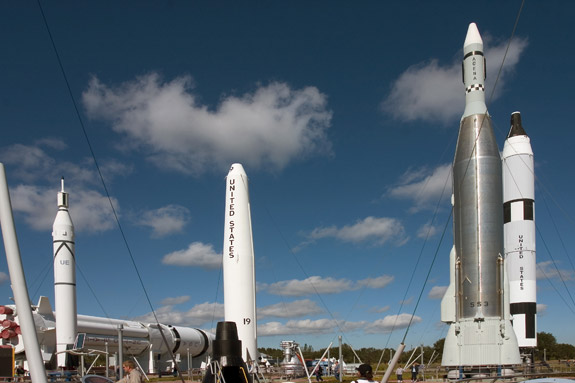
(238, 262)
(480, 331)
(64, 278)
(519, 219)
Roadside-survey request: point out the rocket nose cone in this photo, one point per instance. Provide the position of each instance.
(237, 169)
(473, 36)
(516, 126)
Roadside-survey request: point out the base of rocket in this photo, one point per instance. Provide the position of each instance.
(489, 342)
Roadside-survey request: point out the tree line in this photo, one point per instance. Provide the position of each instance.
(547, 349)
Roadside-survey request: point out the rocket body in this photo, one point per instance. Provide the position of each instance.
(519, 226)
(480, 333)
(64, 278)
(238, 262)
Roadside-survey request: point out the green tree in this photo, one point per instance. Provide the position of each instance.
(546, 344)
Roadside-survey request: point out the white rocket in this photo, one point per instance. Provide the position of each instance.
(64, 278)
(476, 303)
(238, 262)
(519, 219)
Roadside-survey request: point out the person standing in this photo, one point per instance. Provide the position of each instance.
(399, 373)
(336, 370)
(414, 371)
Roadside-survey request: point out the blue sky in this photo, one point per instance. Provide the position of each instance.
(345, 118)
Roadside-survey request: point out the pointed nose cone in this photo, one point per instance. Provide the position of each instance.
(473, 36)
(516, 126)
(237, 169)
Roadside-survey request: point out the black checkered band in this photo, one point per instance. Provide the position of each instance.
(525, 211)
(474, 87)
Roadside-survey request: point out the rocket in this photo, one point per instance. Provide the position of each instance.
(238, 262)
(475, 305)
(519, 227)
(64, 278)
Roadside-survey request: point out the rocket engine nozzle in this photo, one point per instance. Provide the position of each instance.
(227, 359)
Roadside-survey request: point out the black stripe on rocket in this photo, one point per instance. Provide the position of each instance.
(526, 210)
(529, 309)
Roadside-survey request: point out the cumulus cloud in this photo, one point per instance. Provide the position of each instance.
(379, 309)
(390, 323)
(196, 316)
(306, 326)
(90, 211)
(311, 285)
(548, 270)
(541, 309)
(427, 231)
(376, 283)
(166, 220)
(268, 128)
(437, 292)
(175, 300)
(429, 91)
(290, 309)
(377, 230)
(39, 173)
(197, 254)
(423, 186)
(4, 277)
(320, 285)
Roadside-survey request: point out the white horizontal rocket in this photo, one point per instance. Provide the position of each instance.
(519, 219)
(475, 304)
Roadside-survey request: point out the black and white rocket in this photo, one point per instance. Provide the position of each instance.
(238, 262)
(519, 219)
(475, 304)
(64, 278)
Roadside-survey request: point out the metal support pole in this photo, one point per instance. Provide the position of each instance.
(107, 361)
(340, 361)
(121, 349)
(18, 282)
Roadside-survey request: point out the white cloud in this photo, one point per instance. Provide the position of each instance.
(311, 285)
(197, 254)
(427, 231)
(319, 285)
(175, 300)
(423, 186)
(370, 229)
(406, 301)
(376, 283)
(90, 211)
(548, 270)
(293, 327)
(166, 220)
(431, 92)
(4, 277)
(290, 309)
(40, 173)
(379, 309)
(268, 128)
(197, 316)
(437, 292)
(390, 323)
(541, 309)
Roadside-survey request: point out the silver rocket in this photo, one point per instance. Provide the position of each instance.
(519, 219)
(238, 262)
(64, 278)
(480, 333)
